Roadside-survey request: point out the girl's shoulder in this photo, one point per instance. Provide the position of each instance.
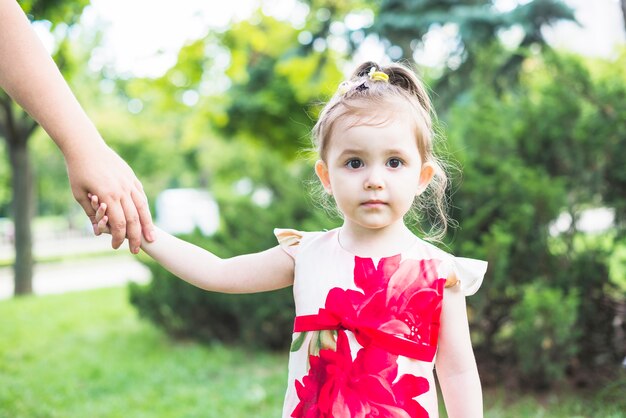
(469, 272)
(293, 241)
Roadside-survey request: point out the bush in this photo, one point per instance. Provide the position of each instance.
(544, 334)
(262, 319)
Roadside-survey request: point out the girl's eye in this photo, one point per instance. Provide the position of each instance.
(394, 162)
(354, 163)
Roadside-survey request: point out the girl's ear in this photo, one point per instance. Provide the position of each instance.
(322, 173)
(426, 175)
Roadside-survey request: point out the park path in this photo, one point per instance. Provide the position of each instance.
(80, 273)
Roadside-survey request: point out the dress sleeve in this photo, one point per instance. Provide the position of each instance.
(289, 240)
(470, 272)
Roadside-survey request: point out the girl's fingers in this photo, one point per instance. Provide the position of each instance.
(102, 225)
(93, 199)
(101, 211)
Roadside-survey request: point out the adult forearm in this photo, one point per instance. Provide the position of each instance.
(30, 76)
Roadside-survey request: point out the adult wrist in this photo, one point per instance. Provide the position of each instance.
(84, 148)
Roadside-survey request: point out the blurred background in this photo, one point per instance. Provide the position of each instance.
(212, 103)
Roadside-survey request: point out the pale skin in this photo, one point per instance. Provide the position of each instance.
(374, 173)
(29, 75)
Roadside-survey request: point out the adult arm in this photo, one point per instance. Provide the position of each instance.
(456, 366)
(30, 76)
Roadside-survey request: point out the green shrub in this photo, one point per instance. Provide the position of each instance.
(544, 334)
(262, 319)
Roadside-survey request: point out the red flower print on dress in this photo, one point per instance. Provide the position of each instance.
(338, 387)
(406, 301)
(395, 312)
(399, 298)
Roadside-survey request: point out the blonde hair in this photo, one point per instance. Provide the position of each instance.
(360, 96)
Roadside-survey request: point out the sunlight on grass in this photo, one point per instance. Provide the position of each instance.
(88, 355)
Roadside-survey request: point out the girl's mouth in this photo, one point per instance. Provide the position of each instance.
(373, 203)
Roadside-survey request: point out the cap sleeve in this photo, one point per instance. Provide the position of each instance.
(470, 272)
(288, 239)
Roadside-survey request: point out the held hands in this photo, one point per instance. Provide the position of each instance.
(100, 220)
(29, 75)
(120, 191)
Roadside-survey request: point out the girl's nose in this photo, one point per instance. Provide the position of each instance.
(374, 180)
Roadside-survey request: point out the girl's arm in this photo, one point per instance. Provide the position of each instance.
(267, 270)
(29, 75)
(456, 367)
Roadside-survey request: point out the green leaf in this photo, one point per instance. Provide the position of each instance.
(297, 343)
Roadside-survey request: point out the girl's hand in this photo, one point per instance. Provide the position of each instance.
(100, 222)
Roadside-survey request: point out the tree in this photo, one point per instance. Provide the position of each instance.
(16, 127)
(477, 22)
(546, 147)
(245, 142)
(272, 78)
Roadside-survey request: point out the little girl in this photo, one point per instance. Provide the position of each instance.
(377, 308)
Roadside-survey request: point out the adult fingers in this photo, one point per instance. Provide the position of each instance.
(117, 222)
(143, 209)
(133, 226)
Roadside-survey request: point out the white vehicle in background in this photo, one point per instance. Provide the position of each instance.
(180, 211)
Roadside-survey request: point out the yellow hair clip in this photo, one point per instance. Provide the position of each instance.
(377, 75)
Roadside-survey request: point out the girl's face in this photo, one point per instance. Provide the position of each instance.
(373, 170)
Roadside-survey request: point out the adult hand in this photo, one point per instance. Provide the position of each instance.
(30, 76)
(106, 175)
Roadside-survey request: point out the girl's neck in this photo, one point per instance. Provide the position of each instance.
(375, 243)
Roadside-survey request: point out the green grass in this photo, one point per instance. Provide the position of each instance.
(603, 403)
(87, 354)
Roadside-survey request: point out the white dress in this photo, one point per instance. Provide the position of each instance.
(366, 330)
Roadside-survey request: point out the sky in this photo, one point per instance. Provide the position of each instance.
(142, 37)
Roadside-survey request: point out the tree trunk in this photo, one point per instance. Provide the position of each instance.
(22, 182)
(623, 2)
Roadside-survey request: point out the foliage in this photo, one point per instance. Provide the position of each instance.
(274, 87)
(256, 129)
(264, 319)
(54, 11)
(476, 24)
(537, 134)
(527, 156)
(544, 333)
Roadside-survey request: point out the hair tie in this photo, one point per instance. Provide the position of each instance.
(343, 88)
(378, 75)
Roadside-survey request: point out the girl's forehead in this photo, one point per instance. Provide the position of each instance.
(373, 117)
(374, 135)
(385, 124)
